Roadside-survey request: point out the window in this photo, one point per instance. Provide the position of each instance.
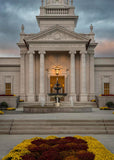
(8, 88)
(106, 88)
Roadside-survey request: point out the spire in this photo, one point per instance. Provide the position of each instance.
(42, 2)
(91, 29)
(22, 29)
(71, 2)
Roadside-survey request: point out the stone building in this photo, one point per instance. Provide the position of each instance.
(81, 75)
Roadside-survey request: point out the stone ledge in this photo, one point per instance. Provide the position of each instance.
(38, 109)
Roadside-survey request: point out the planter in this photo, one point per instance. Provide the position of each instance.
(10, 100)
(102, 100)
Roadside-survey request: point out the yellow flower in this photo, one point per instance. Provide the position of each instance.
(51, 137)
(94, 146)
(14, 95)
(21, 100)
(93, 100)
(11, 109)
(100, 95)
(1, 112)
(104, 108)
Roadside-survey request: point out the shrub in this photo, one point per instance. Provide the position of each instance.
(4, 105)
(110, 104)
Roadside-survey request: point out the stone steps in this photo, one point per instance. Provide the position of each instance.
(63, 104)
(44, 127)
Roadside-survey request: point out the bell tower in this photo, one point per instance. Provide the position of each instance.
(57, 12)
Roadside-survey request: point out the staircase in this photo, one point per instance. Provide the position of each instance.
(63, 104)
(56, 127)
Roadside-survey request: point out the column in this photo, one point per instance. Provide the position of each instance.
(72, 76)
(92, 72)
(42, 79)
(31, 96)
(22, 77)
(83, 90)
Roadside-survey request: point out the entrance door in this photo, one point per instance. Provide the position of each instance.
(53, 81)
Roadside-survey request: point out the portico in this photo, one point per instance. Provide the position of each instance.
(57, 45)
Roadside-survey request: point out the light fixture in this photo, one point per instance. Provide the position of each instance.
(57, 69)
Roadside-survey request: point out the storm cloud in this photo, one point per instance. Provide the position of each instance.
(13, 13)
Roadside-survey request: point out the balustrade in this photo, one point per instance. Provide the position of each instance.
(57, 11)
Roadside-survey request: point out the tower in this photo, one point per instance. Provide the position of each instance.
(60, 12)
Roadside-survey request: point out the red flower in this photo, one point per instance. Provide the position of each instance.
(29, 157)
(50, 155)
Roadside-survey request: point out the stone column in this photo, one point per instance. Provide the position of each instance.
(83, 90)
(72, 76)
(92, 72)
(42, 79)
(31, 96)
(22, 77)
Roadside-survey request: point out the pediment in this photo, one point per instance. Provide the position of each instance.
(57, 33)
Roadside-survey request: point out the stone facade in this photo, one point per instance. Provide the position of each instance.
(57, 45)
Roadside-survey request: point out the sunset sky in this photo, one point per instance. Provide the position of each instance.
(14, 13)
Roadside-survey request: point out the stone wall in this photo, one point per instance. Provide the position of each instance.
(10, 100)
(102, 100)
(104, 73)
(10, 73)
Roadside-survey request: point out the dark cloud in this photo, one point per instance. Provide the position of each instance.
(13, 13)
(98, 12)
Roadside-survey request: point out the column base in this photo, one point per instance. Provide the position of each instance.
(42, 99)
(72, 98)
(31, 98)
(91, 96)
(22, 97)
(83, 97)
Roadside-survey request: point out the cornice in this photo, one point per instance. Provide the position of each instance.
(56, 42)
(57, 17)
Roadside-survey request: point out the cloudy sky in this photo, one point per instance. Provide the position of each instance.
(13, 13)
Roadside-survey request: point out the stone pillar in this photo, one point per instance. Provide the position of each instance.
(83, 90)
(22, 77)
(42, 79)
(31, 96)
(72, 76)
(92, 72)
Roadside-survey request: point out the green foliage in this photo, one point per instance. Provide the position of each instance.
(4, 105)
(110, 104)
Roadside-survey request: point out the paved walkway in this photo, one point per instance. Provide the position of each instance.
(95, 115)
(7, 142)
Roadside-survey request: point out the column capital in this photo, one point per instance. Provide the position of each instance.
(91, 54)
(72, 52)
(83, 52)
(42, 52)
(22, 53)
(31, 52)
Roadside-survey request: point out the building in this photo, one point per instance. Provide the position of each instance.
(81, 75)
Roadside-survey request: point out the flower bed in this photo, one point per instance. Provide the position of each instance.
(106, 95)
(104, 108)
(7, 95)
(11, 109)
(54, 148)
(1, 112)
